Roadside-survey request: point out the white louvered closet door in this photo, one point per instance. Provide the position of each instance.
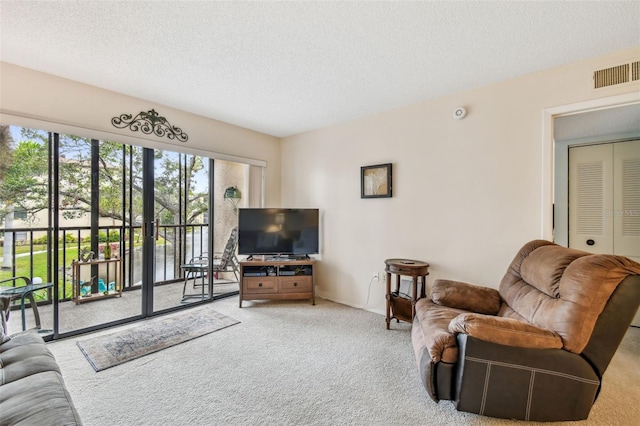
(604, 200)
(626, 199)
(591, 198)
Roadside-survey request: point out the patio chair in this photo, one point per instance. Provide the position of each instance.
(16, 292)
(5, 303)
(5, 308)
(225, 261)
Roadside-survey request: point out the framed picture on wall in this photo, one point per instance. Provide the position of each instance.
(375, 181)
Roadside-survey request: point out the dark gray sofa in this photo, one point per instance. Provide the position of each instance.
(32, 391)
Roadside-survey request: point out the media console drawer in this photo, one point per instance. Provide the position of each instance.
(302, 284)
(260, 284)
(277, 279)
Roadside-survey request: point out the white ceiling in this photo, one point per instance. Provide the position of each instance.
(283, 68)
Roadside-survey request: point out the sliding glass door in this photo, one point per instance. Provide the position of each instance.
(112, 227)
(196, 236)
(180, 216)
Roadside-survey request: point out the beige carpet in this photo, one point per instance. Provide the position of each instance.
(290, 363)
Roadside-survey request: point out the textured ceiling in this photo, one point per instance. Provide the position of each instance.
(283, 68)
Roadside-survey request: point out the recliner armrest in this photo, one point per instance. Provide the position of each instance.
(469, 297)
(505, 331)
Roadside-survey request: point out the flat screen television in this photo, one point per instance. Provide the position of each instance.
(278, 232)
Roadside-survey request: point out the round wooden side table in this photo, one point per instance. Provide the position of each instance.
(403, 306)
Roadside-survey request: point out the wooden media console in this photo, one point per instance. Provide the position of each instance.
(277, 279)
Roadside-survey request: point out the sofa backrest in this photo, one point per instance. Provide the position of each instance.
(562, 289)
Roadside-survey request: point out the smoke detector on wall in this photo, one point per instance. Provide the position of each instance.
(459, 113)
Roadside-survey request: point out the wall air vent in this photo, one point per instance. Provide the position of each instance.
(635, 71)
(611, 76)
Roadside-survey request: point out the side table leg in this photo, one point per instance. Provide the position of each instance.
(414, 296)
(34, 307)
(202, 292)
(423, 282)
(398, 279)
(24, 320)
(388, 297)
(36, 313)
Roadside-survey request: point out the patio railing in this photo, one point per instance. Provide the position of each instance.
(31, 254)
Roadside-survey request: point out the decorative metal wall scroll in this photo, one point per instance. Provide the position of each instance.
(149, 122)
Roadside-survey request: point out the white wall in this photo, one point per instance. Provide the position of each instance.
(466, 194)
(32, 98)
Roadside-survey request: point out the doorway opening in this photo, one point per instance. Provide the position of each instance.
(555, 179)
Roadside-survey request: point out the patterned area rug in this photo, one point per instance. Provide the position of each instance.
(153, 335)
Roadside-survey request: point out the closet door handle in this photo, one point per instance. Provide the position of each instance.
(590, 242)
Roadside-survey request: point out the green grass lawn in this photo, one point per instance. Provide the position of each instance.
(39, 260)
(23, 264)
(25, 249)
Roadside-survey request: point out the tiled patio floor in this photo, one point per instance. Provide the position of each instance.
(78, 316)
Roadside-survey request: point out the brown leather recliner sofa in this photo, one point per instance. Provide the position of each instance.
(536, 348)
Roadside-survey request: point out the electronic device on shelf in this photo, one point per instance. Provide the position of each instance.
(278, 232)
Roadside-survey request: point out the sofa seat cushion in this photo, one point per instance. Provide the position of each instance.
(25, 354)
(38, 399)
(432, 331)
